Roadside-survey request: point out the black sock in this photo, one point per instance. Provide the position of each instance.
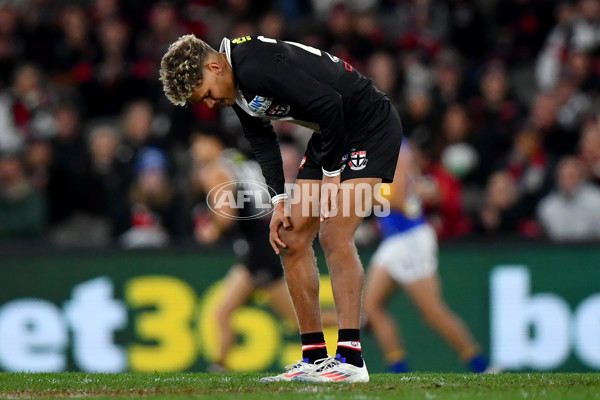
(348, 346)
(313, 347)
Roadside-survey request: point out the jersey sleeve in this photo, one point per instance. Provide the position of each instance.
(264, 144)
(299, 89)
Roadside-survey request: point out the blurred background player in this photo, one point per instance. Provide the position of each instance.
(260, 267)
(407, 258)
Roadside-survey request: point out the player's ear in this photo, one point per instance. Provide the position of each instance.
(215, 67)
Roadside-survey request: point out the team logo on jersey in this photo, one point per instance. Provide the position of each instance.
(358, 160)
(279, 110)
(260, 104)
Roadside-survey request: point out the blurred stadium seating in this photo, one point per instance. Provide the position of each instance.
(484, 88)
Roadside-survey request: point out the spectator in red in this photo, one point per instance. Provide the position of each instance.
(522, 26)
(441, 194)
(75, 50)
(530, 165)
(25, 110)
(455, 144)
(424, 25)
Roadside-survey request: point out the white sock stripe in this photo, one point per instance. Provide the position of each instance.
(351, 344)
(313, 346)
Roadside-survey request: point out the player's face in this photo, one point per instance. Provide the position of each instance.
(217, 88)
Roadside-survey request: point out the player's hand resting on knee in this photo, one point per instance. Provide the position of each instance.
(278, 219)
(329, 193)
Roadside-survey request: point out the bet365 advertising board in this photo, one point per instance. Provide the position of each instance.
(531, 309)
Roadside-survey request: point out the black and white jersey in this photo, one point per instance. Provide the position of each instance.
(247, 176)
(290, 81)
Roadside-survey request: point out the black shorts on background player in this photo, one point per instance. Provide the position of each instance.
(260, 259)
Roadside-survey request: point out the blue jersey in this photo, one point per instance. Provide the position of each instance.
(411, 214)
(398, 222)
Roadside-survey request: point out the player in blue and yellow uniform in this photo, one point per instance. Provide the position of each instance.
(407, 258)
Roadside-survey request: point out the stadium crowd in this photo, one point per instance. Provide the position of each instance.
(500, 98)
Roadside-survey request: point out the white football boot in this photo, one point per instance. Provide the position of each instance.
(332, 369)
(301, 368)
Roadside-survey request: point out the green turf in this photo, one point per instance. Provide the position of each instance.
(246, 386)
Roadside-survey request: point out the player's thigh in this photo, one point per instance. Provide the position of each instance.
(305, 223)
(426, 294)
(379, 287)
(355, 201)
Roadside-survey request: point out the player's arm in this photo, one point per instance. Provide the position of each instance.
(299, 89)
(264, 144)
(321, 102)
(218, 224)
(265, 147)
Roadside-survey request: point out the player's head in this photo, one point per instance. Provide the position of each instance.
(205, 146)
(192, 71)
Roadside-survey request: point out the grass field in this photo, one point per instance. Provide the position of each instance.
(246, 386)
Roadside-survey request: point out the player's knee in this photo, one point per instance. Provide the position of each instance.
(432, 315)
(331, 240)
(296, 242)
(371, 309)
(223, 315)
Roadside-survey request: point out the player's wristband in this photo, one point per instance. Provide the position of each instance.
(278, 198)
(331, 174)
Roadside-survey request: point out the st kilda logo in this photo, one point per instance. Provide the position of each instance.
(358, 160)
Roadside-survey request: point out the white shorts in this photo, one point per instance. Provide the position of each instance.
(408, 256)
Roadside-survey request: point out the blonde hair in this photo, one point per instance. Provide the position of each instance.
(182, 66)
